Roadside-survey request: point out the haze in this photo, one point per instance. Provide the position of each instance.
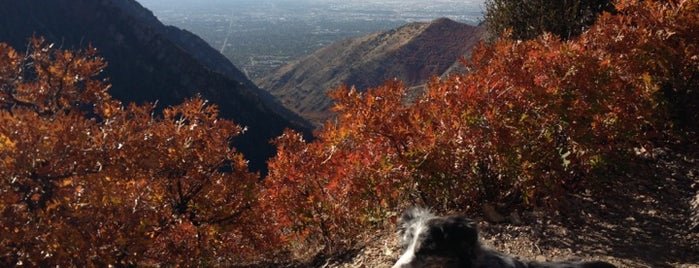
(261, 35)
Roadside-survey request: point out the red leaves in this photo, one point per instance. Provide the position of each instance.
(124, 186)
(48, 81)
(532, 119)
(127, 186)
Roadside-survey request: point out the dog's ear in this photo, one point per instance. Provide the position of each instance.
(411, 215)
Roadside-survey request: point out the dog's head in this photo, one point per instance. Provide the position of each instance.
(432, 241)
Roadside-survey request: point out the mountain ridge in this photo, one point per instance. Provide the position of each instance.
(148, 61)
(411, 53)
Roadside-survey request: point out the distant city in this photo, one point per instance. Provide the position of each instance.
(259, 36)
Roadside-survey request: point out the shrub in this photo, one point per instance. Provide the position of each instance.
(87, 181)
(531, 120)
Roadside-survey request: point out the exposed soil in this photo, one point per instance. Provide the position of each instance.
(638, 218)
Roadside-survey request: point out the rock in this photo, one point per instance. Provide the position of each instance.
(492, 215)
(515, 219)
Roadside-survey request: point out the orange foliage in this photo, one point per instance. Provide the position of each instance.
(531, 120)
(89, 182)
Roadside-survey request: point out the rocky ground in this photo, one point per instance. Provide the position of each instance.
(638, 219)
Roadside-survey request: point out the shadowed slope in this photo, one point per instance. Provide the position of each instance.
(412, 53)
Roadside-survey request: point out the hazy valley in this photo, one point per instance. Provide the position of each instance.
(299, 50)
(260, 36)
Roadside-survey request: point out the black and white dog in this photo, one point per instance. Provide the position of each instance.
(452, 242)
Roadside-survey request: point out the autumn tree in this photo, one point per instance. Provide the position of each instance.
(87, 181)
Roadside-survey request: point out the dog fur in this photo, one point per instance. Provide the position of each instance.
(452, 242)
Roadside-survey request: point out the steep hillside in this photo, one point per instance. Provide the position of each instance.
(149, 61)
(412, 53)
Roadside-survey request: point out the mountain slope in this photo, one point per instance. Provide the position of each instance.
(149, 61)
(412, 53)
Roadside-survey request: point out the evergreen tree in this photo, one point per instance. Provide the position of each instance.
(530, 18)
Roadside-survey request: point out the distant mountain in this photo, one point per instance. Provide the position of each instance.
(412, 53)
(149, 61)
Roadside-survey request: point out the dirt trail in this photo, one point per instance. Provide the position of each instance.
(638, 219)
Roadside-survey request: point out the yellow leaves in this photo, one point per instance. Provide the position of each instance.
(151, 235)
(79, 190)
(65, 182)
(107, 111)
(11, 53)
(623, 4)
(52, 205)
(8, 61)
(6, 143)
(648, 81)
